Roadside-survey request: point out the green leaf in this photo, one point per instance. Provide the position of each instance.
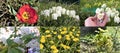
(10, 42)
(14, 50)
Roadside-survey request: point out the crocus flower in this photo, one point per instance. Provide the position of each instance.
(27, 14)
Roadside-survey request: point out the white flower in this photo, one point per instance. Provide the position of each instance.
(33, 43)
(100, 15)
(50, 9)
(63, 11)
(58, 13)
(54, 9)
(99, 10)
(116, 19)
(104, 6)
(77, 17)
(67, 12)
(5, 34)
(55, 16)
(18, 40)
(47, 13)
(108, 9)
(58, 8)
(72, 13)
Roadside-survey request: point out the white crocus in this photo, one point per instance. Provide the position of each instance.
(63, 11)
(55, 16)
(116, 19)
(58, 8)
(54, 9)
(67, 12)
(59, 13)
(72, 13)
(77, 17)
(47, 13)
(104, 6)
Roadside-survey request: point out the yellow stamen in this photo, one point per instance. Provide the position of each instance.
(25, 15)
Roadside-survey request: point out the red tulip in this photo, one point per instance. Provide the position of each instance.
(27, 14)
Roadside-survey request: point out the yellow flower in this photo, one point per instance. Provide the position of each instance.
(72, 36)
(63, 32)
(64, 46)
(42, 40)
(54, 32)
(53, 47)
(67, 37)
(75, 39)
(47, 31)
(64, 28)
(78, 50)
(52, 42)
(41, 46)
(67, 47)
(73, 29)
(59, 36)
(49, 35)
(55, 51)
(78, 31)
(78, 35)
(70, 33)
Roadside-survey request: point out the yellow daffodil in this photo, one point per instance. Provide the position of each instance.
(75, 39)
(42, 40)
(59, 36)
(41, 46)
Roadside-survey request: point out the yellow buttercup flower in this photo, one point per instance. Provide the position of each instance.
(47, 31)
(64, 28)
(41, 46)
(49, 35)
(53, 47)
(75, 39)
(67, 47)
(54, 32)
(72, 36)
(42, 40)
(59, 36)
(55, 51)
(63, 32)
(70, 33)
(67, 37)
(78, 35)
(73, 29)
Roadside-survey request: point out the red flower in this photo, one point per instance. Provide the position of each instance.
(27, 14)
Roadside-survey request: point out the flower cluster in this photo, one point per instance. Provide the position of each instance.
(111, 13)
(60, 39)
(58, 11)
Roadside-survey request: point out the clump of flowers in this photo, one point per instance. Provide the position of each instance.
(27, 14)
(58, 11)
(111, 13)
(60, 39)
